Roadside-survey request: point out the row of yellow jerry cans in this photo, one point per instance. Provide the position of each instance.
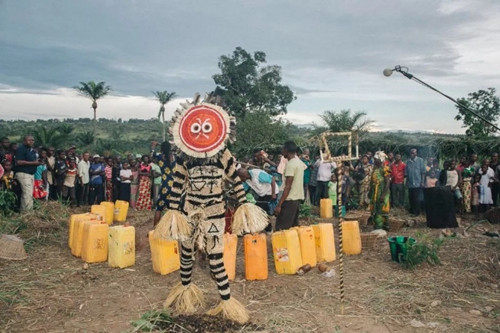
(111, 212)
(291, 249)
(92, 239)
(303, 245)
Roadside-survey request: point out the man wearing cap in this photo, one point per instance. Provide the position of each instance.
(26, 164)
(71, 153)
(84, 177)
(96, 173)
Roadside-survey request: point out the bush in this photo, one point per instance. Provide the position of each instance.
(7, 202)
(423, 250)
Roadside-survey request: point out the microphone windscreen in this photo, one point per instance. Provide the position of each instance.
(387, 72)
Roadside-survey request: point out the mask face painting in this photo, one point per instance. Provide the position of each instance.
(202, 130)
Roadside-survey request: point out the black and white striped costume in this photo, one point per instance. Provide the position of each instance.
(202, 182)
(200, 132)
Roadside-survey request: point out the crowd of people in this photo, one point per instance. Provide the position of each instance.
(379, 181)
(279, 185)
(43, 173)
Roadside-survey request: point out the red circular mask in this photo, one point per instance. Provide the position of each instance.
(203, 128)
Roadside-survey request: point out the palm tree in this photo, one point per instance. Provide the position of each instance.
(94, 91)
(345, 120)
(163, 97)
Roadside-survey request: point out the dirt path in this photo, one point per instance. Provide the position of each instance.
(51, 291)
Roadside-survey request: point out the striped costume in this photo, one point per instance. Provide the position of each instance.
(204, 206)
(200, 132)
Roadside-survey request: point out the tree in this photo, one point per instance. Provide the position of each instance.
(270, 134)
(94, 91)
(486, 104)
(346, 120)
(55, 136)
(163, 97)
(245, 85)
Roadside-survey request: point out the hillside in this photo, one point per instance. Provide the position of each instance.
(255, 131)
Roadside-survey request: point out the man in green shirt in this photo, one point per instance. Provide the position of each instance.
(293, 194)
(156, 171)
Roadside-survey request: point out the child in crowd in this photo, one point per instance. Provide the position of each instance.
(431, 179)
(40, 184)
(475, 194)
(332, 191)
(8, 182)
(69, 182)
(125, 180)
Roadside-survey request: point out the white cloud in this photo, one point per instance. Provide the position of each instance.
(66, 103)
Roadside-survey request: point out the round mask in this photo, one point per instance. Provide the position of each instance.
(201, 130)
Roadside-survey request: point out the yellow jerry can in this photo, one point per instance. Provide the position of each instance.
(164, 255)
(121, 210)
(326, 208)
(286, 250)
(95, 242)
(99, 210)
(351, 240)
(307, 245)
(230, 244)
(325, 243)
(255, 256)
(76, 244)
(109, 212)
(121, 244)
(71, 226)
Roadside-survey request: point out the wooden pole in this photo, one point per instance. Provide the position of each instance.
(341, 248)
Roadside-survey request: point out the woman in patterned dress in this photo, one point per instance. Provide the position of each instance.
(466, 186)
(166, 162)
(379, 192)
(144, 201)
(134, 185)
(366, 169)
(108, 174)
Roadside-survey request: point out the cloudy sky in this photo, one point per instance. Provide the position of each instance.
(332, 54)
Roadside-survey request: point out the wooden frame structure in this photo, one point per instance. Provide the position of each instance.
(327, 156)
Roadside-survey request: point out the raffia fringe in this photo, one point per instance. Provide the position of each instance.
(184, 299)
(231, 309)
(173, 225)
(249, 218)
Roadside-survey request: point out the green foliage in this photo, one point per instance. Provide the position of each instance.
(93, 90)
(425, 249)
(247, 86)
(259, 130)
(7, 202)
(151, 321)
(305, 211)
(53, 136)
(486, 104)
(346, 120)
(86, 138)
(254, 131)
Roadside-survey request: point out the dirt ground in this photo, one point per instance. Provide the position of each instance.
(53, 291)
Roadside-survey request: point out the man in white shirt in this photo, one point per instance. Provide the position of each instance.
(83, 176)
(325, 170)
(262, 183)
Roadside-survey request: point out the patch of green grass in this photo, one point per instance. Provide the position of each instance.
(425, 249)
(151, 320)
(10, 297)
